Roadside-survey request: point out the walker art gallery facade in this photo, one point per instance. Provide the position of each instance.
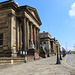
(19, 32)
(19, 28)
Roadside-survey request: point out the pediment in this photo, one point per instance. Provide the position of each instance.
(34, 13)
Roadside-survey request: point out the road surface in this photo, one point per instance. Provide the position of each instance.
(71, 60)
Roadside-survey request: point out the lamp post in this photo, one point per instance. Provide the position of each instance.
(25, 57)
(64, 52)
(60, 53)
(58, 61)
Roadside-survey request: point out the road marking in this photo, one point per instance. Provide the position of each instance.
(65, 63)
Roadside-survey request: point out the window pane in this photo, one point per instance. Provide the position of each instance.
(1, 39)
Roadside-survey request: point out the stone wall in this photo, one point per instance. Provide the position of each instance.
(4, 30)
(16, 60)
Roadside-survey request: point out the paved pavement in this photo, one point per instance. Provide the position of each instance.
(71, 60)
(69, 63)
(45, 66)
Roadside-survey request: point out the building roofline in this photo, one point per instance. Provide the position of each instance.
(45, 33)
(12, 5)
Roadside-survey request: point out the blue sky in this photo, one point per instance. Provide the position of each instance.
(58, 18)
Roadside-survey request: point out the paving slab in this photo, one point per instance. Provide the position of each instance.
(46, 66)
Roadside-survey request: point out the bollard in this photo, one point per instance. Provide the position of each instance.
(12, 61)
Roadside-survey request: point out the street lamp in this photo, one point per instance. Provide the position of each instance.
(64, 52)
(25, 59)
(60, 53)
(58, 61)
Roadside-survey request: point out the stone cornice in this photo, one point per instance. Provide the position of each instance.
(44, 37)
(13, 5)
(8, 4)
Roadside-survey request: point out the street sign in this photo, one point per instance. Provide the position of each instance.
(23, 52)
(20, 52)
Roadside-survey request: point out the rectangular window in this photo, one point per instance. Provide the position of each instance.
(1, 39)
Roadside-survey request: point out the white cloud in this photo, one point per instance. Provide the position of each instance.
(70, 48)
(72, 11)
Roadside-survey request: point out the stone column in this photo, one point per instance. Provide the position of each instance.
(50, 47)
(9, 32)
(33, 33)
(53, 46)
(16, 34)
(27, 36)
(31, 30)
(38, 39)
(11, 18)
(37, 44)
(34, 36)
(20, 36)
(24, 34)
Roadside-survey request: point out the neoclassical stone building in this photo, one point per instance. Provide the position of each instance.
(48, 44)
(53, 45)
(45, 45)
(18, 27)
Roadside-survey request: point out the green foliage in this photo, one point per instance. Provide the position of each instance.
(73, 52)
